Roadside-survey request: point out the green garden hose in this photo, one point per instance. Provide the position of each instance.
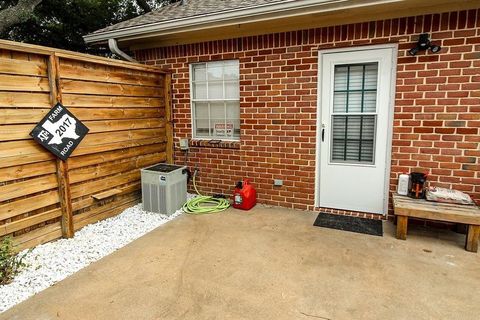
(204, 204)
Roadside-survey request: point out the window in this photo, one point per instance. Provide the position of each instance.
(215, 91)
(354, 113)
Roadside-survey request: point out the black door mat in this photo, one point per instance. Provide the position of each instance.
(348, 223)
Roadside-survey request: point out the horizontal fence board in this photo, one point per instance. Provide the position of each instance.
(85, 114)
(106, 169)
(95, 186)
(22, 152)
(105, 211)
(121, 125)
(18, 116)
(27, 49)
(124, 107)
(79, 204)
(21, 148)
(27, 171)
(27, 187)
(33, 116)
(109, 62)
(82, 150)
(18, 207)
(117, 75)
(109, 89)
(23, 83)
(117, 145)
(16, 160)
(24, 100)
(20, 55)
(92, 159)
(15, 132)
(38, 236)
(127, 135)
(93, 101)
(20, 67)
(22, 132)
(29, 221)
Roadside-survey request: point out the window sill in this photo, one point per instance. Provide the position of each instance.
(205, 143)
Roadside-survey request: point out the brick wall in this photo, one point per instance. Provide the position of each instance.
(437, 106)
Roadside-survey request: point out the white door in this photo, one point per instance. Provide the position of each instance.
(354, 128)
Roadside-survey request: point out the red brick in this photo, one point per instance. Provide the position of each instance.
(437, 105)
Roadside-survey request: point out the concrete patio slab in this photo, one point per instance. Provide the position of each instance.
(269, 263)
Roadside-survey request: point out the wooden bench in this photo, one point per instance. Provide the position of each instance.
(406, 207)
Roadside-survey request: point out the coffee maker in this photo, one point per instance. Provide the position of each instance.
(417, 185)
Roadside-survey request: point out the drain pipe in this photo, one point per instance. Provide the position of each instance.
(113, 46)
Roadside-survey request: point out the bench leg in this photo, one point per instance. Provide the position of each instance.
(402, 223)
(471, 242)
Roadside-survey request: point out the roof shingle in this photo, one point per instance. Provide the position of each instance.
(191, 8)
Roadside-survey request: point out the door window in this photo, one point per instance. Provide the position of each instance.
(354, 113)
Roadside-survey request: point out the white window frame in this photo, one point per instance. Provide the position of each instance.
(208, 101)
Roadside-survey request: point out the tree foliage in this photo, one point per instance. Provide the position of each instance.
(18, 13)
(63, 23)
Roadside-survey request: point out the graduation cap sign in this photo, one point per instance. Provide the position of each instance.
(60, 132)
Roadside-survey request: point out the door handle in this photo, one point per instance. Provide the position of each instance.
(323, 132)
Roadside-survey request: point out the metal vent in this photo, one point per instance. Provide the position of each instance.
(164, 188)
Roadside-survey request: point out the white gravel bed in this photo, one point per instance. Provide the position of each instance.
(52, 262)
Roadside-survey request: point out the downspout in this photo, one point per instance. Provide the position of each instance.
(113, 46)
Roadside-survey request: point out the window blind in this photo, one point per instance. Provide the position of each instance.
(216, 100)
(354, 113)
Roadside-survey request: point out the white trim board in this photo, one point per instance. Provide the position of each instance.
(263, 12)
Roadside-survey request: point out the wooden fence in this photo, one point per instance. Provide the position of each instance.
(127, 108)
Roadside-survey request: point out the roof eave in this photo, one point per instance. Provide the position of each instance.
(237, 16)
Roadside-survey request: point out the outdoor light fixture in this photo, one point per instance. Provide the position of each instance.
(424, 44)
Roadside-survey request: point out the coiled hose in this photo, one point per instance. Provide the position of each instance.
(204, 204)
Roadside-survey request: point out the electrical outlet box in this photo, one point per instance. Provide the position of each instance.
(278, 182)
(184, 144)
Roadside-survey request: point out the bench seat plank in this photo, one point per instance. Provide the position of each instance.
(405, 207)
(418, 208)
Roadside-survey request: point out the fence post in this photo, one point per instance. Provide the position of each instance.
(169, 117)
(62, 166)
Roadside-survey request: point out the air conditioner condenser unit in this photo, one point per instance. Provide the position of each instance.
(164, 188)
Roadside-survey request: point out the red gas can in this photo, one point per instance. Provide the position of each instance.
(244, 195)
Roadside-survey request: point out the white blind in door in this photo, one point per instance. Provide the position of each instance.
(354, 113)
